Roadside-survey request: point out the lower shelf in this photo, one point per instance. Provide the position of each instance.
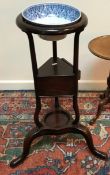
(57, 119)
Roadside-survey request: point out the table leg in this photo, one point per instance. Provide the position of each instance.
(76, 109)
(105, 99)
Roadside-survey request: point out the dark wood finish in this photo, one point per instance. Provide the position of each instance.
(79, 129)
(55, 86)
(61, 68)
(54, 78)
(57, 118)
(100, 47)
(54, 52)
(35, 74)
(59, 30)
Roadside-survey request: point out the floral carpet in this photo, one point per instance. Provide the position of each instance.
(52, 155)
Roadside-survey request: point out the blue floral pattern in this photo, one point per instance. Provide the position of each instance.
(59, 10)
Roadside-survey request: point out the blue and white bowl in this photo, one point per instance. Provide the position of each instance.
(51, 14)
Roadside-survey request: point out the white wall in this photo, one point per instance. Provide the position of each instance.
(15, 64)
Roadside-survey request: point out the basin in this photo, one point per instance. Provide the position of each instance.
(51, 15)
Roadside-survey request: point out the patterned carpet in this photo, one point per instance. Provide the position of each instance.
(52, 155)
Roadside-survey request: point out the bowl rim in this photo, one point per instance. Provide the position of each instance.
(48, 25)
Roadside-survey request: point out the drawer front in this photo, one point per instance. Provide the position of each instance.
(52, 86)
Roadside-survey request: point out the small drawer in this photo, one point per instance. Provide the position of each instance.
(52, 86)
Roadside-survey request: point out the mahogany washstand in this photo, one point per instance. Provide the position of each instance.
(56, 77)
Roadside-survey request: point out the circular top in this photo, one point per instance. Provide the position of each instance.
(51, 14)
(51, 30)
(100, 47)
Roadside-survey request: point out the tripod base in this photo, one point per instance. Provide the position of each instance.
(57, 122)
(105, 99)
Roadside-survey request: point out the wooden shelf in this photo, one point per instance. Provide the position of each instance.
(53, 79)
(61, 68)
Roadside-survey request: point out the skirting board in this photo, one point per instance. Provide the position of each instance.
(86, 85)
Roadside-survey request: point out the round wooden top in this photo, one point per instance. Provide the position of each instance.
(100, 47)
(52, 30)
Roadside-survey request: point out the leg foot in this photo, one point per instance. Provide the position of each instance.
(80, 129)
(100, 107)
(87, 135)
(26, 146)
(19, 160)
